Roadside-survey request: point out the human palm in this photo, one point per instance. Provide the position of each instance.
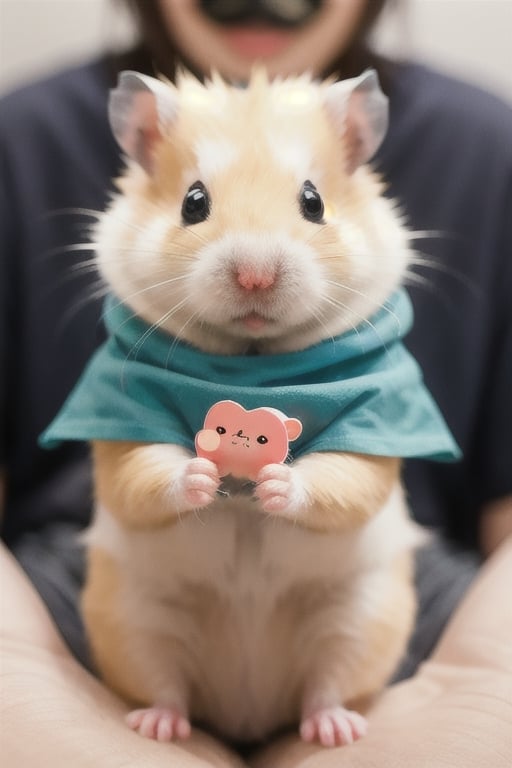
(455, 713)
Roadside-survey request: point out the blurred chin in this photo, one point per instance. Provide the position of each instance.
(256, 43)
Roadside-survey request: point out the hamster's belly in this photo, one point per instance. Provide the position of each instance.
(243, 595)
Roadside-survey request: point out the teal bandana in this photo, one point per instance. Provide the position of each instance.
(359, 392)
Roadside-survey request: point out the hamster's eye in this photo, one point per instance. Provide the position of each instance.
(196, 204)
(311, 204)
(262, 439)
(221, 430)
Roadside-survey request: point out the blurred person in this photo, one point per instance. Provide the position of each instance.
(447, 160)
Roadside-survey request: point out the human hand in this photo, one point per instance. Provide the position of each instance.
(54, 713)
(455, 713)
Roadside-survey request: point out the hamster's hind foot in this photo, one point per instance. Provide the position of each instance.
(160, 723)
(333, 726)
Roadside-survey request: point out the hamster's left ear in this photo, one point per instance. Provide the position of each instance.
(359, 110)
(140, 109)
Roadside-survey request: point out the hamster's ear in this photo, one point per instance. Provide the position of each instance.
(140, 110)
(359, 110)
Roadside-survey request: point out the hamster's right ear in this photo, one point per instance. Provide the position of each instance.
(140, 110)
(359, 110)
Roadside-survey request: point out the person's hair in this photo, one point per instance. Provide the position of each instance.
(157, 53)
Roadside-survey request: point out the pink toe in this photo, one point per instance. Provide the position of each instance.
(182, 728)
(164, 729)
(307, 730)
(334, 726)
(159, 723)
(342, 730)
(148, 725)
(359, 725)
(134, 719)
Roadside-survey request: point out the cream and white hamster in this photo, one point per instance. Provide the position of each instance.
(248, 223)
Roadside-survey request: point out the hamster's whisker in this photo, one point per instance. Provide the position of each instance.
(422, 260)
(88, 212)
(189, 230)
(183, 255)
(153, 287)
(91, 213)
(348, 289)
(92, 246)
(179, 335)
(199, 518)
(383, 305)
(412, 278)
(65, 249)
(427, 234)
(134, 351)
(345, 287)
(338, 304)
(83, 268)
(195, 234)
(88, 246)
(318, 317)
(100, 291)
(76, 272)
(317, 232)
(120, 302)
(361, 318)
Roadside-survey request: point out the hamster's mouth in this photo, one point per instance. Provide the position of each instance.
(253, 322)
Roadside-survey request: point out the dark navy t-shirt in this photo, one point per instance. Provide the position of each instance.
(448, 161)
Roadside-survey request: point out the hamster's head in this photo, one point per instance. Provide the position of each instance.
(247, 218)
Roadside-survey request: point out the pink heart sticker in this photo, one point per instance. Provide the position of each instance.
(242, 442)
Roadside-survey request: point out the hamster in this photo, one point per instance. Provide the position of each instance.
(248, 223)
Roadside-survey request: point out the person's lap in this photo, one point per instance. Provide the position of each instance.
(54, 560)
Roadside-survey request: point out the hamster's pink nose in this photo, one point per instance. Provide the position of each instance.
(252, 279)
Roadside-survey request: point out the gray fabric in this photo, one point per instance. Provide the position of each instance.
(53, 559)
(443, 574)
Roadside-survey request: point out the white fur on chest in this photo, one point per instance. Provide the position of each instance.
(228, 583)
(237, 549)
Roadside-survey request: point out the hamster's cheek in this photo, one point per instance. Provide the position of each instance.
(130, 247)
(142, 259)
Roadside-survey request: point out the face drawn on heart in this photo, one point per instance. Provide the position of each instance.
(241, 442)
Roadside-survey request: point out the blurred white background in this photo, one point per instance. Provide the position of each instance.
(469, 38)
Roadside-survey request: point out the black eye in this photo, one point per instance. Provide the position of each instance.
(311, 204)
(196, 204)
(262, 439)
(221, 430)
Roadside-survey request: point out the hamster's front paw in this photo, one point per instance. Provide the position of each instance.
(196, 484)
(160, 723)
(280, 490)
